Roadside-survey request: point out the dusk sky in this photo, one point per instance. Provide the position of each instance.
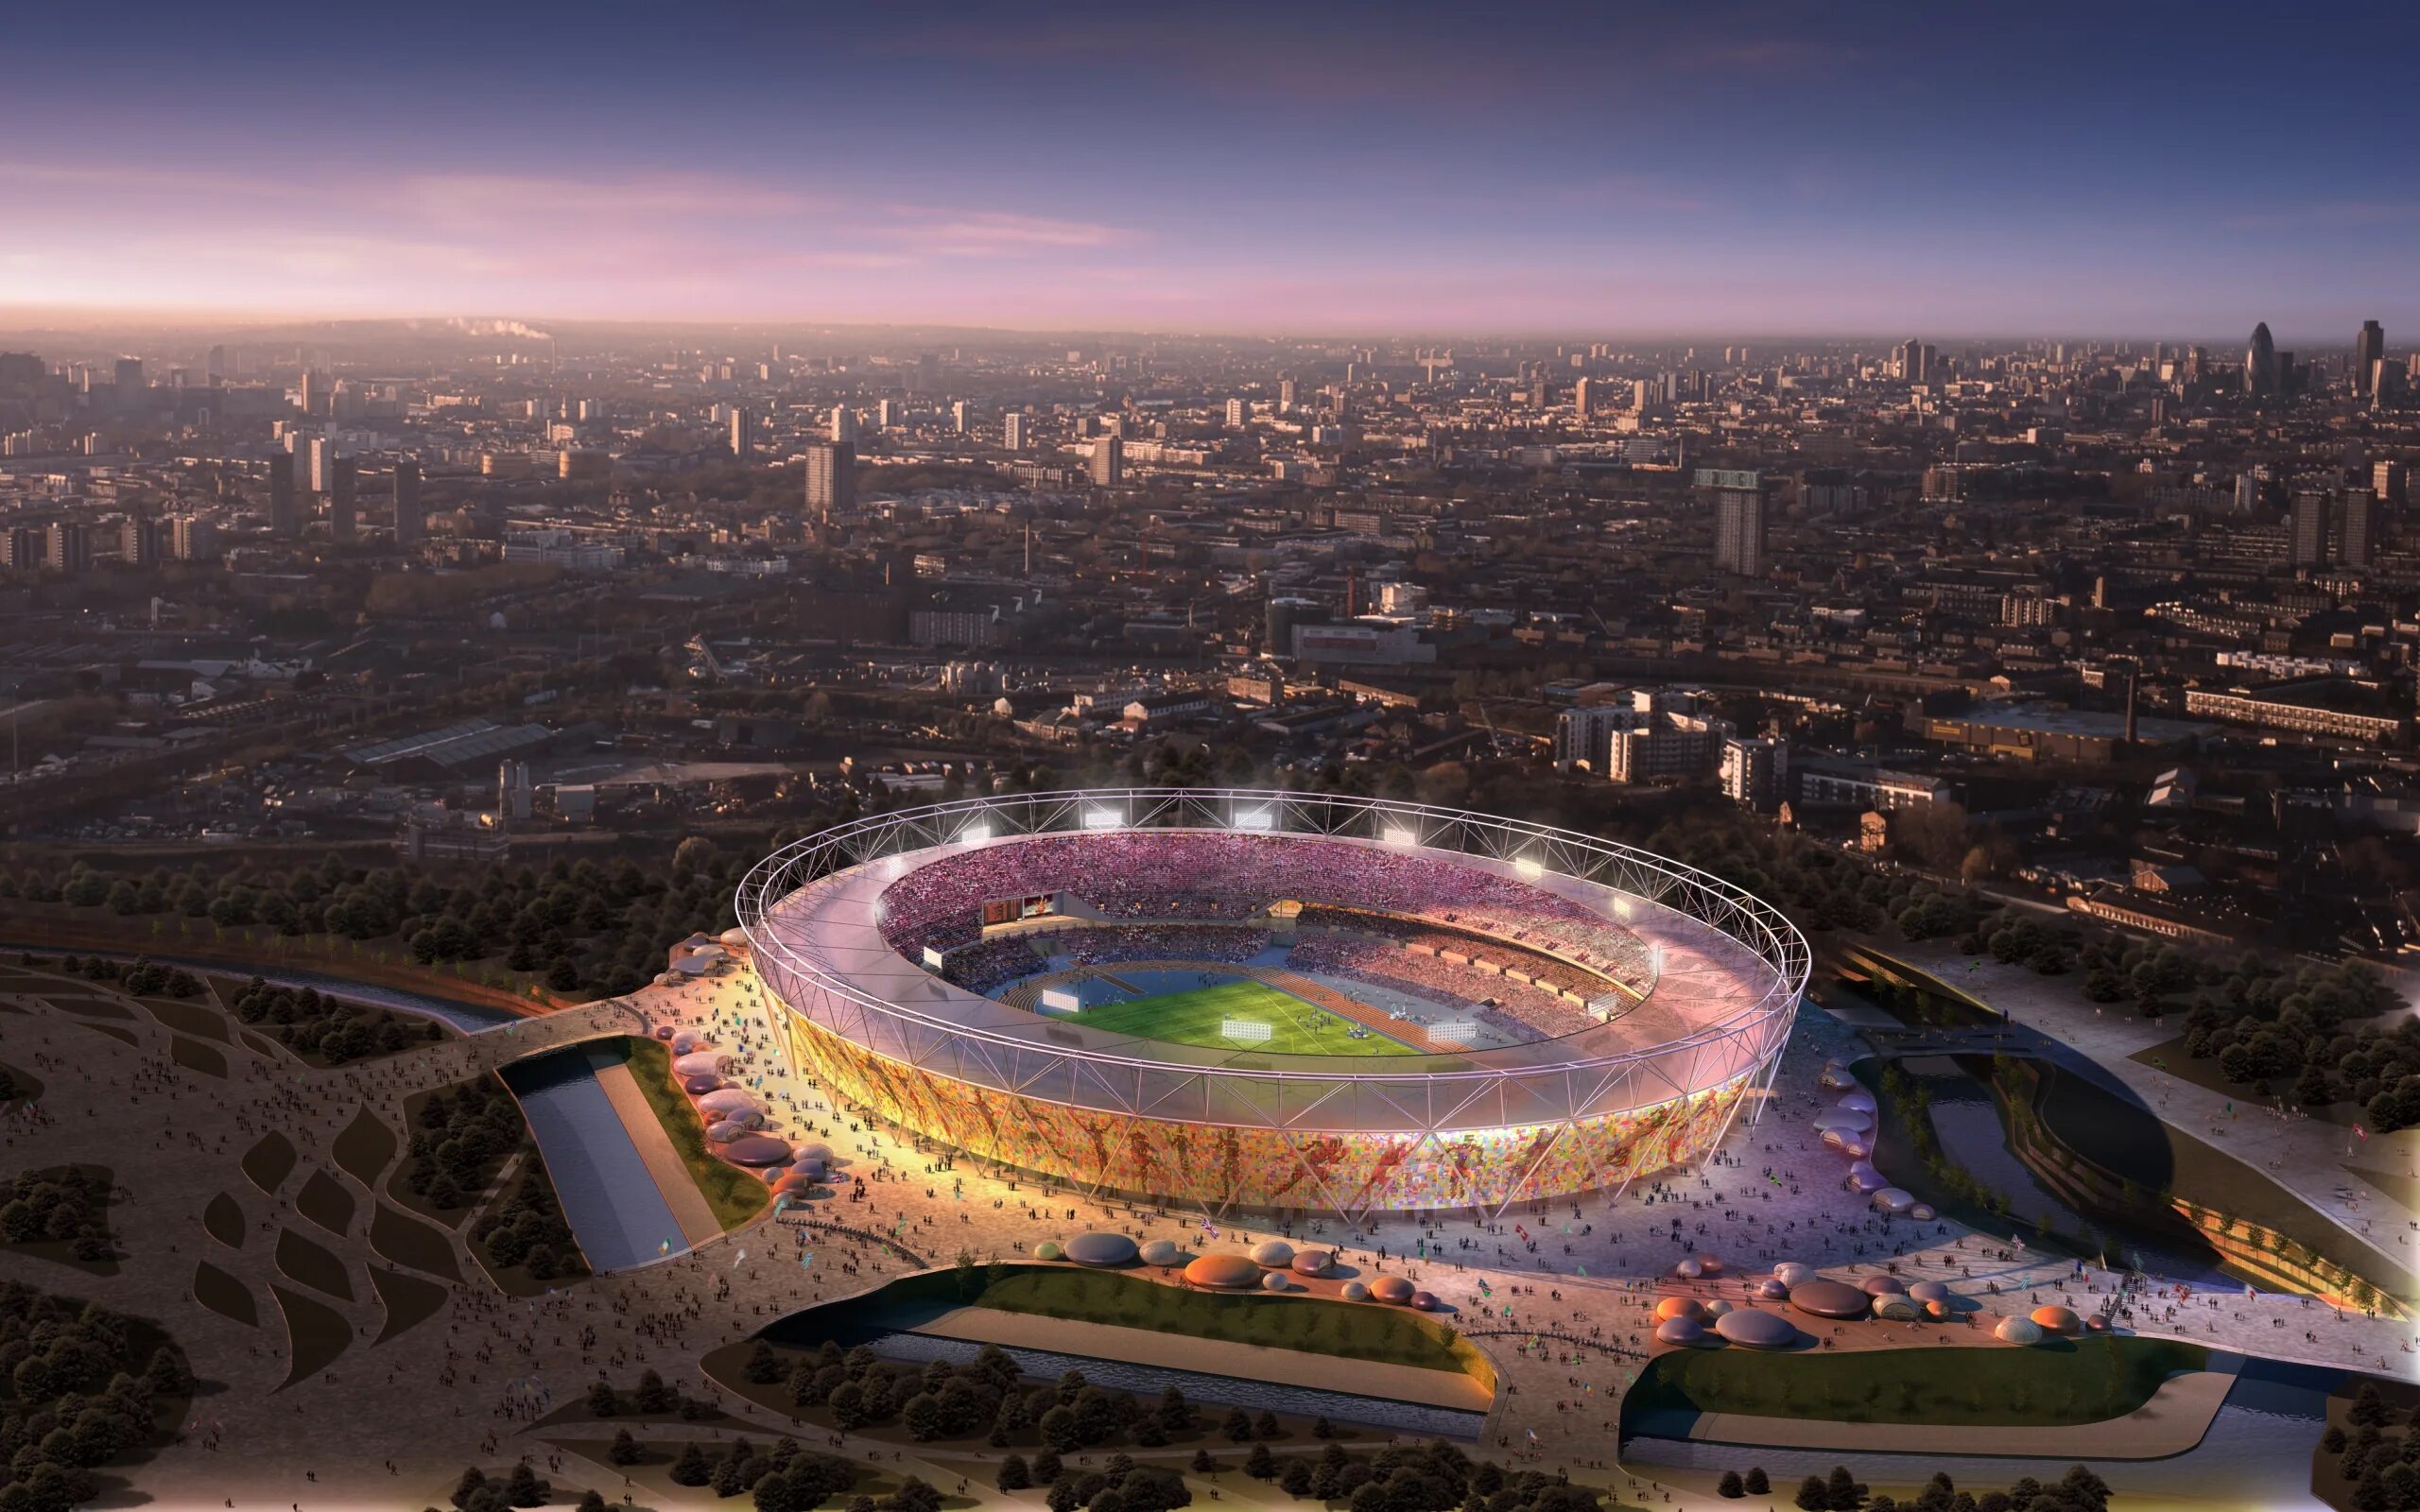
(2105, 169)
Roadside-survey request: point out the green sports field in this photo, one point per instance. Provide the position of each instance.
(1296, 1027)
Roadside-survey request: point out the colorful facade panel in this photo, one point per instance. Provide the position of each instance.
(1220, 1166)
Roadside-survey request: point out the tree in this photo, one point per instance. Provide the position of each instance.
(692, 1468)
(1841, 1491)
(653, 1396)
(1265, 1426)
(523, 1487)
(602, 1401)
(1014, 1475)
(625, 1449)
(1061, 1431)
(924, 1417)
(1811, 1496)
(1237, 1428)
(1730, 1485)
(1756, 1483)
(764, 1368)
(1203, 1464)
(1260, 1464)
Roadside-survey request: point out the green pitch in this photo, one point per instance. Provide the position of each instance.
(1295, 1027)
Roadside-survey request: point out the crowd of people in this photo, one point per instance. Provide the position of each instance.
(1201, 878)
(1519, 1013)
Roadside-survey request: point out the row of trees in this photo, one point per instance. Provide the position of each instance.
(77, 1393)
(2078, 1490)
(653, 1398)
(332, 1030)
(464, 1136)
(145, 978)
(576, 926)
(63, 1205)
(2305, 1027)
(530, 1230)
(2382, 1468)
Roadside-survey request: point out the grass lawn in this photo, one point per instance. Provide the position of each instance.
(1344, 1329)
(1296, 1027)
(2054, 1385)
(733, 1195)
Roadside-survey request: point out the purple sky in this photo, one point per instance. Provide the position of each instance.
(1767, 169)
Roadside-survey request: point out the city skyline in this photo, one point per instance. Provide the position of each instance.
(1753, 171)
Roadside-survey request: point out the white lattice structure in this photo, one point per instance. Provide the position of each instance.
(1239, 1125)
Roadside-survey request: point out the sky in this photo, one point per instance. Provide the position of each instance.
(2122, 168)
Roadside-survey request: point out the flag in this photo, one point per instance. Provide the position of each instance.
(664, 1249)
(1583, 1270)
(806, 1258)
(736, 1259)
(1532, 1433)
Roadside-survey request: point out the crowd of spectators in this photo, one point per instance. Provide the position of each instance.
(1515, 1012)
(1110, 945)
(1143, 875)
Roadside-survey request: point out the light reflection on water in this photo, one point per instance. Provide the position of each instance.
(2257, 1454)
(1413, 1418)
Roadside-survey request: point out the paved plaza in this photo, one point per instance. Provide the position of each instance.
(1557, 1293)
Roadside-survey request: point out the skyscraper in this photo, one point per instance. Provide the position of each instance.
(2361, 528)
(831, 475)
(2260, 364)
(739, 434)
(844, 423)
(315, 391)
(1912, 361)
(2369, 350)
(321, 456)
(1013, 430)
(71, 550)
(2389, 482)
(1109, 462)
(138, 541)
(2306, 530)
(194, 539)
(1738, 519)
(344, 490)
(215, 366)
(284, 518)
(1583, 400)
(410, 518)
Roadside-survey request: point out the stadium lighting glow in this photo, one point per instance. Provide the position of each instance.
(1529, 869)
(974, 834)
(1396, 835)
(1103, 819)
(1261, 820)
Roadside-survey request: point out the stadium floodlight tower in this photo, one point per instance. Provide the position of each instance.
(1621, 1008)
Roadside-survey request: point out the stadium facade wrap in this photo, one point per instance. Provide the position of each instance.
(858, 930)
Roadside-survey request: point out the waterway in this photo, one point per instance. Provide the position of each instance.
(470, 1018)
(2257, 1453)
(1200, 1386)
(614, 1206)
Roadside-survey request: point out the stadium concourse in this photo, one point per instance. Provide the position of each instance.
(1572, 1027)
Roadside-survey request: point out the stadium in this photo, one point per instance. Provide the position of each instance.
(1241, 1000)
